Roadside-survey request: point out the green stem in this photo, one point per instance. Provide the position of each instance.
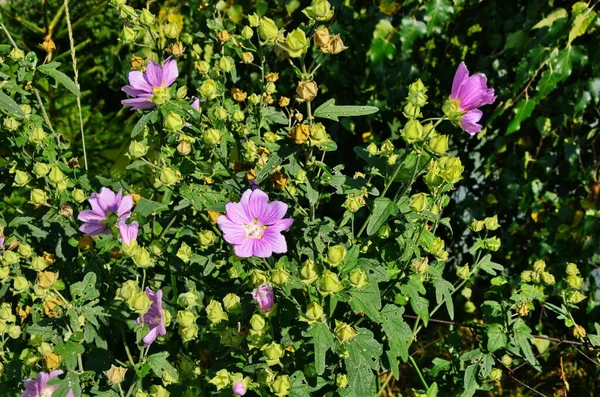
(416, 367)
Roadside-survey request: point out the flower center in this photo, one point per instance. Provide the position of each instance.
(111, 219)
(47, 391)
(254, 229)
(161, 95)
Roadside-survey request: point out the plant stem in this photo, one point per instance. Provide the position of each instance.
(414, 364)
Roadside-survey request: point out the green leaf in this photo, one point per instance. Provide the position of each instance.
(583, 19)
(522, 336)
(322, 339)
(522, 112)
(559, 13)
(69, 383)
(329, 110)
(595, 339)
(274, 116)
(419, 304)
(159, 364)
(10, 106)
(143, 121)
(383, 208)
(49, 69)
(410, 31)
(443, 292)
(201, 197)
(85, 290)
(363, 358)
(497, 338)
(69, 351)
(367, 299)
(399, 335)
(146, 207)
(433, 390)
(488, 266)
(470, 381)
(437, 12)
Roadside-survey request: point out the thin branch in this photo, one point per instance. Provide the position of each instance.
(525, 385)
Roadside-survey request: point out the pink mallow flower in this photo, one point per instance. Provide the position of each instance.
(149, 88)
(39, 387)
(108, 209)
(239, 389)
(468, 94)
(154, 317)
(128, 232)
(264, 297)
(254, 225)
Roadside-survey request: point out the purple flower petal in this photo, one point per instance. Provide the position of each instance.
(138, 103)
(196, 104)
(282, 225)
(257, 204)
(236, 213)
(262, 248)
(125, 206)
(154, 74)
(138, 82)
(469, 121)
(245, 249)
(169, 72)
(150, 336)
(459, 77)
(275, 240)
(273, 212)
(90, 216)
(93, 229)
(233, 233)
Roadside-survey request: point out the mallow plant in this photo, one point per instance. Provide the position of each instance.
(234, 256)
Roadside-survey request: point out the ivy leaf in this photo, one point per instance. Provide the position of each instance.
(419, 304)
(49, 69)
(146, 207)
(363, 358)
(159, 364)
(470, 381)
(329, 110)
(66, 385)
(443, 292)
(399, 336)
(522, 336)
(488, 266)
(300, 386)
(143, 121)
(437, 12)
(322, 339)
(383, 208)
(69, 351)
(522, 112)
(497, 338)
(85, 290)
(10, 106)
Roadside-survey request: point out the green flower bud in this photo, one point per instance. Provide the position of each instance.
(387, 148)
(575, 282)
(358, 278)
(25, 250)
(186, 319)
(203, 67)
(14, 331)
(491, 223)
(226, 64)
(257, 322)
(78, 195)
(171, 30)
(420, 266)
(279, 277)
(128, 290)
(38, 264)
(140, 303)
(463, 272)
(16, 54)
(267, 29)
(239, 115)
(506, 361)
(137, 149)
(189, 299)
(142, 258)
(336, 255)
(433, 179)
(11, 124)
(254, 99)
(526, 276)
(496, 374)
(128, 35)
(258, 277)
(296, 43)
(147, 18)
(308, 271)
(314, 313)
(342, 381)
(215, 313)
(174, 122)
(221, 379)
(319, 10)
(452, 110)
(548, 278)
(232, 304)
(343, 331)
(185, 252)
(21, 178)
(575, 297)
(4, 273)
(384, 231)
(221, 114)
(6, 313)
(212, 137)
(418, 202)
(477, 226)
(37, 136)
(413, 131)
(452, 169)
(208, 89)
(281, 386)
(492, 243)
(273, 351)
(329, 283)
(169, 177)
(10, 258)
(56, 175)
(372, 149)
(572, 269)
(439, 144)
(41, 169)
(470, 307)
(254, 20)
(207, 238)
(38, 197)
(247, 33)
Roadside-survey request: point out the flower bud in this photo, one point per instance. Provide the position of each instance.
(128, 290)
(342, 381)
(10, 258)
(306, 91)
(38, 197)
(452, 169)
(420, 266)
(299, 133)
(223, 36)
(56, 175)
(232, 304)
(226, 64)
(254, 99)
(463, 272)
(202, 67)
(140, 303)
(115, 375)
(336, 255)
(343, 331)
(308, 271)
(526, 276)
(264, 297)
(11, 124)
(247, 57)
(439, 144)
(215, 313)
(146, 17)
(334, 46)
(41, 169)
(169, 177)
(320, 10)
(221, 379)
(171, 30)
(37, 136)
(477, 226)
(418, 202)
(247, 33)
(16, 54)
(21, 178)
(296, 43)
(212, 137)
(47, 279)
(413, 131)
(548, 278)
(207, 238)
(186, 318)
(284, 101)
(358, 278)
(128, 35)
(314, 313)
(142, 258)
(208, 89)
(78, 195)
(329, 283)
(451, 109)
(491, 223)
(279, 277)
(257, 322)
(273, 351)
(575, 297)
(492, 243)
(281, 385)
(574, 282)
(267, 29)
(318, 135)
(174, 122)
